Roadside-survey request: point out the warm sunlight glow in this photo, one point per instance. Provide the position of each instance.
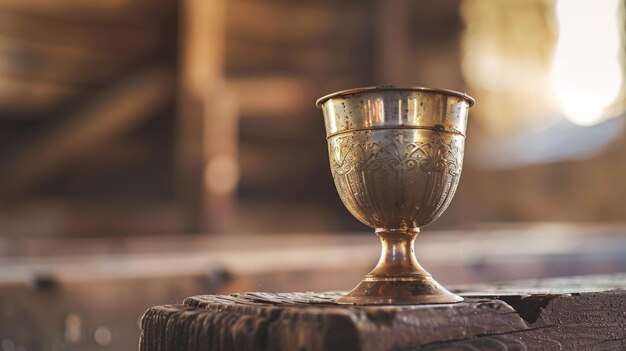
(587, 73)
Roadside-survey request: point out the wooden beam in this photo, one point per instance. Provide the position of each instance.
(205, 107)
(221, 167)
(115, 111)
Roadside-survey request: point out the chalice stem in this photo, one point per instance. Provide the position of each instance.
(397, 257)
(398, 278)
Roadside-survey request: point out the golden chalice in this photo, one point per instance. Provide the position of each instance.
(396, 155)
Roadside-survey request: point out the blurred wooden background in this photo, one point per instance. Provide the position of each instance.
(130, 117)
(127, 125)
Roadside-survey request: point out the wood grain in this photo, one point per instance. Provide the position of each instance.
(502, 318)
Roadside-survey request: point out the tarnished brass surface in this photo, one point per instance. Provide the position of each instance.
(396, 155)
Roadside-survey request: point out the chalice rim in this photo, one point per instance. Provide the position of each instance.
(352, 91)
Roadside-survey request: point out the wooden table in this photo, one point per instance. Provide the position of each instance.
(581, 313)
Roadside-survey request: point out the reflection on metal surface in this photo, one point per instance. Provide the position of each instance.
(396, 156)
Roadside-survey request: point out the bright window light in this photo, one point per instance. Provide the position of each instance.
(587, 69)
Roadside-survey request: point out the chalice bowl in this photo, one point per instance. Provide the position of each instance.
(396, 155)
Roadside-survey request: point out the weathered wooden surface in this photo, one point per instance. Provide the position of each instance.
(586, 313)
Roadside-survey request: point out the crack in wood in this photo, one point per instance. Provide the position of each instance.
(476, 338)
(528, 307)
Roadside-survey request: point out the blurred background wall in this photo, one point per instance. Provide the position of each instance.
(132, 117)
(134, 133)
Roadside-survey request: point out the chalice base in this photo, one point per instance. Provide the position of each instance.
(408, 291)
(398, 279)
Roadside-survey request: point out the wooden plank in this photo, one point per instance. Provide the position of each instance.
(312, 321)
(52, 53)
(103, 12)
